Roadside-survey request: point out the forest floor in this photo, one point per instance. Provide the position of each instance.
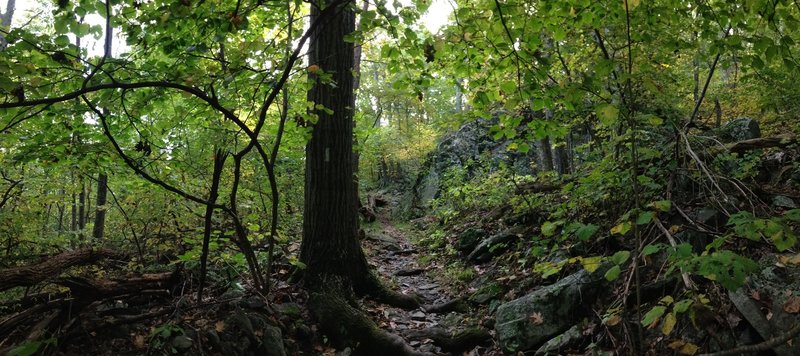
(392, 249)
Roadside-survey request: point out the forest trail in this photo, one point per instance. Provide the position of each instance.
(391, 249)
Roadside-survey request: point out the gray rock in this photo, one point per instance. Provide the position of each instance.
(472, 142)
(272, 341)
(775, 284)
(782, 201)
(388, 242)
(291, 310)
(487, 293)
(182, 343)
(556, 344)
(469, 239)
(494, 245)
(526, 323)
(739, 129)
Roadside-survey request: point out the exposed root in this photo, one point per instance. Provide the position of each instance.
(455, 305)
(380, 293)
(333, 307)
(453, 342)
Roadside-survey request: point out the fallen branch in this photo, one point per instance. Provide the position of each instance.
(52, 267)
(86, 289)
(685, 276)
(762, 142)
(763, 346)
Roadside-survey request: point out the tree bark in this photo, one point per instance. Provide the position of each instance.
(5, 21)
(100, 214)
(330, 244)
(336, 266)
(546, 154)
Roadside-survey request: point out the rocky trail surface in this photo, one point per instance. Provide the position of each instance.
(444, 323)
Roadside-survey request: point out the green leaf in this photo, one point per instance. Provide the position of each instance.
(653, 315)
(591, 264)
(682, 306)
(549, 228)
(661, 205)
(27, 348)
(651, 249)
(620, 257)
(586, 231)
(645, 218)
(613, 273)
(621, 229)
(784, 240)
(607, 113)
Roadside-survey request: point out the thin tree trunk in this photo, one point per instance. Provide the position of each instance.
(718, 111)
(219, 163)
(82, 208)
(100, 213)
(560, 159)
(5, 21)
(546, 152)
(459, 96)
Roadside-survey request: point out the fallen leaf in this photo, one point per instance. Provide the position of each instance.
(683, 347)
(537, 319)
(669, 324)
(755, 294)
(790, 260)
(792, 305)
(219, 326)
(614, 320)
(138, 342)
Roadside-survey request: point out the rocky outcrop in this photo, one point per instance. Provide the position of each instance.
(472, 143)
(526, 323)
(778, 287)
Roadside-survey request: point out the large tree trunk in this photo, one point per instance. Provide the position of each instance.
(335, 263)
(330, 244)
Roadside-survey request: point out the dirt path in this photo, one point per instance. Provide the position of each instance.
(395, 256)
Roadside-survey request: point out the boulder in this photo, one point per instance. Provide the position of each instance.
(739, 129)
(469, 239)
(526, 323)
(782, 201)
(556, 345)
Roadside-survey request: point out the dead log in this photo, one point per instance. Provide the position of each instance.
(762, 142)
(52, 267)
(86, 290)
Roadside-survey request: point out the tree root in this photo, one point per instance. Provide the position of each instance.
(344, 323)
(380, 293)
(456, 305)
(453, 342)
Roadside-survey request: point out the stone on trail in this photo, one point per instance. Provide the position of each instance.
(528, 322)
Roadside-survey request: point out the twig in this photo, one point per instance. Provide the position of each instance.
(763, 346)
(685, 276)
